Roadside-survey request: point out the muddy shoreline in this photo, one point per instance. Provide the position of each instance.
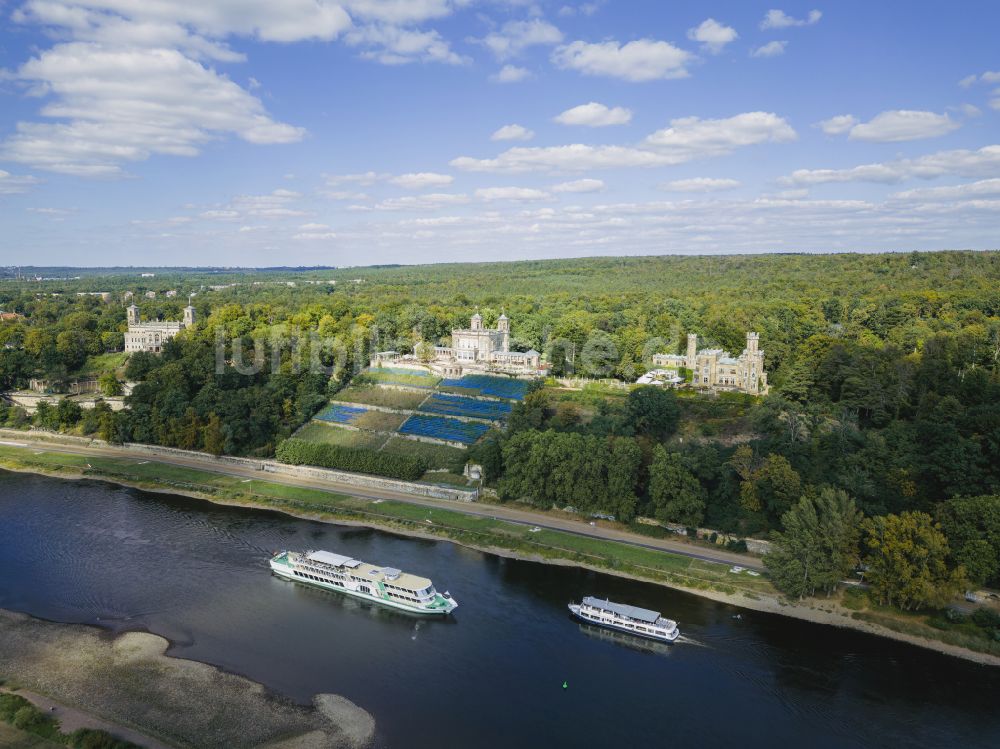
(128, 680)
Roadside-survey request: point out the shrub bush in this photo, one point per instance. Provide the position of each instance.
(358, 459)
(10, 704)
(29, 718)
(986, 619)
(88, 738)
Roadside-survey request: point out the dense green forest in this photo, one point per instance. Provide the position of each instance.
(883, 417)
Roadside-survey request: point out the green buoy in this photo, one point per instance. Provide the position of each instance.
(565, 685)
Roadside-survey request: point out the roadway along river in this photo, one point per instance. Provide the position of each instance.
(492, 675)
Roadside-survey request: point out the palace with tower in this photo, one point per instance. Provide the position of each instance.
(716, 369)
(481, 349)
(151, 336)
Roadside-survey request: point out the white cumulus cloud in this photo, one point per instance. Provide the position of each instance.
(713, 35)
(984, 188)
(640, 60)
(693, 137)
(903, 124)
(394, 45)
(511, 193)
(838, 125)
(595, 115)
(516, 36)
(513, 132)
(771, 49)
(990, 76)
(685, 140)
(700, 184)
(510, 74)
(421, 180)
(11, 184)
(579, 186)
(778, 19)
(984, 162)
(120, 105)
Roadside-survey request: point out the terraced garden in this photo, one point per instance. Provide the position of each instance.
(319, 431)
(437, 456)
(337, 414)
(426, 410)
(385, 397)
(461, 405)
(442, 428)
(478, 384)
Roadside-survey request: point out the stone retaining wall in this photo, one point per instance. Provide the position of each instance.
(754, 545)
(29, 401)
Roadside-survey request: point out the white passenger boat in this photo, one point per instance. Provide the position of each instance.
(386, 586)
(625, 618)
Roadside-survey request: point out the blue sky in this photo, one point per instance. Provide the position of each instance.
(351, 132)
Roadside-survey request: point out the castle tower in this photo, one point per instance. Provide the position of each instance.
(188, 314)
(692, 353)
(133, 314)
(503, 325)
(753, 341)
(477, 321)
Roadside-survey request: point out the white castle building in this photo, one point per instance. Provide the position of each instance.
(151, 336)
(717, 369)
(480, 349)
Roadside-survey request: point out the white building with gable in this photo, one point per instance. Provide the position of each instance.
(151, 336)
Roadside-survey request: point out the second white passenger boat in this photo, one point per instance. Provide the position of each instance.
(625, 618)
(385, 586)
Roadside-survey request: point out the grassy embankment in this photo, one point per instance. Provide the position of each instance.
(478, 532)
(950, 628)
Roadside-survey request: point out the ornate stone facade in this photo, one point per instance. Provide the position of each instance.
(717, 369)
(480, 349)
(151, 336)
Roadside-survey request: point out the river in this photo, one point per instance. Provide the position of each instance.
(491, 675)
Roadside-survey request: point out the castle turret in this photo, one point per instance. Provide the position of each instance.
(188, 314)
(692, 352)
(133, 314)
(503, 325)
(753, 341)
(477, 321)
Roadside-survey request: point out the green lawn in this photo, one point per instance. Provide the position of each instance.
(379, 396)
(101, 363)
(13, 738)
(318, 431)
(380, 421)
(449, 478)
(402, 377)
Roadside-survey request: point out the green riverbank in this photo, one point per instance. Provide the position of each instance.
(707, 579)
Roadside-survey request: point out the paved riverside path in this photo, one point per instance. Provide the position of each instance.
(498, 512)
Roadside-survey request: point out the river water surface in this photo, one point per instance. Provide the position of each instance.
(491, 675)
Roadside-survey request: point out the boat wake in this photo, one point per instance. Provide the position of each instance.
(683, 639)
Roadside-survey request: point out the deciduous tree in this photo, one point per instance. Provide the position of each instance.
(818, 546)
(907, 560)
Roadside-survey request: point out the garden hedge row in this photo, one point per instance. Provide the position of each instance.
(358, 459)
